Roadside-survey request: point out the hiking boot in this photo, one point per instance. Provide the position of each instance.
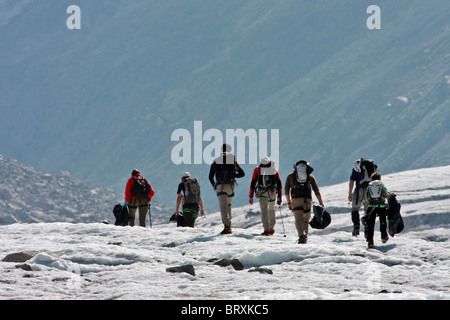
(271, 231)
(266, 232)
(370, 245)
(384, 240)
(355, 232)
(302, 240)
(226, 230)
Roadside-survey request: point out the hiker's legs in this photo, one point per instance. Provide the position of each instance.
(190, 214)
(382, 213)
(132, 211)
(223, 204)
(302, 214)
(225, 194)
(371, 216)
(357, 201)
(271, 208)
(263, 204)
(143, 209)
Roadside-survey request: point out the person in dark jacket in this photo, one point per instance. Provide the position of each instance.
(222, 175)
(138, 194)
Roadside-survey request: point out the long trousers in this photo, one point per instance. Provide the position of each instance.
(371, 215)
(302, 213)
(225, 194)
(267, 213)
(143, 209)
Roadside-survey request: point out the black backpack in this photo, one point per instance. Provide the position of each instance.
(302, 189)
(367, 168)
(227, 169)
(369, 165)
(141, 188)
(267, 178)
(192, 193)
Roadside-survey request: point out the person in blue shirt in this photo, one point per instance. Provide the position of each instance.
(359, 180)
(191, 206)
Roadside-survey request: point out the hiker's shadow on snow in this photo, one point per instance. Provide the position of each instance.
(205, 239)
(201, 239)
(386, 248)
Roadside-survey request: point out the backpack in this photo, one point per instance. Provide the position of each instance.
(141, 188)
(367, 168)
(395, 219)
(226, 169)
(301, 188)
(121, 214)
(191, 191)
(375, 193)
(267, 178)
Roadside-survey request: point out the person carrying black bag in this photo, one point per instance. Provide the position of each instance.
(375, 204)
(189, 197)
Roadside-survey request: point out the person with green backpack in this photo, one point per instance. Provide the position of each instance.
(189, 197)
(375, 205)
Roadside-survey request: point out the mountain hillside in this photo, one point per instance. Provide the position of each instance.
(28, 196)
(31, 196)
(100, 101)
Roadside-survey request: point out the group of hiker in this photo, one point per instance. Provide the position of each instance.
(365, 187)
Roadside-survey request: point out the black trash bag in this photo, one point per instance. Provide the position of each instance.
(321, 218)
(179, 219)
(395, 219)
(121, 214)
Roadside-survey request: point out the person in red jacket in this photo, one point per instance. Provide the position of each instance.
(266, 184)
(138, 194)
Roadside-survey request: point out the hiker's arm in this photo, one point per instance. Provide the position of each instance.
(239, 173)
(179, 197)
(253, 184)
(350, 190)
(319, 197)
(387, 195)
(212, 172)
(287, 188)
(128, 190)
(202, 211)
(279, 188)
(312, 180)
(150, 194)
(288, 200)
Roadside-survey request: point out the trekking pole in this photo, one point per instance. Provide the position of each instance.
(282, 222)
(150, 215)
